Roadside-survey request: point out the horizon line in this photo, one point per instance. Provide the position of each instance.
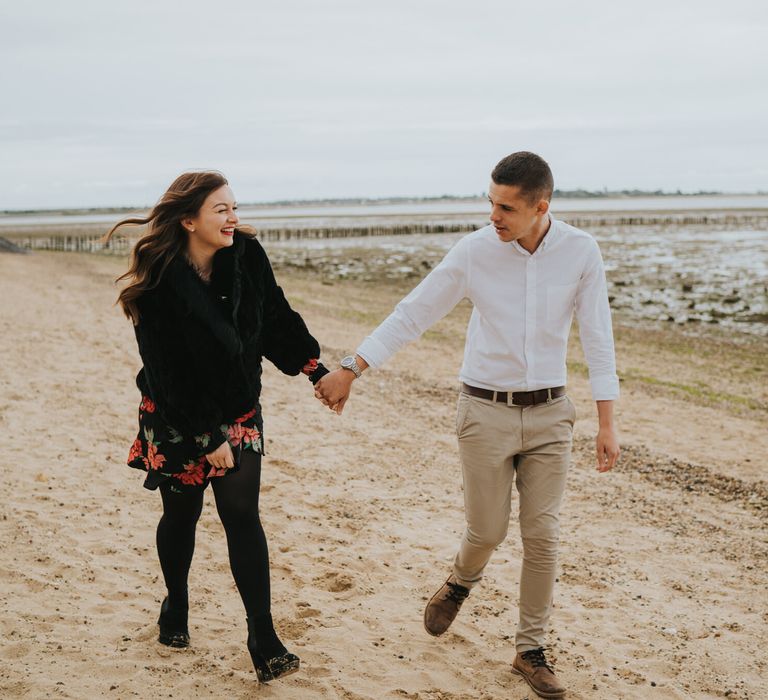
(566, 194)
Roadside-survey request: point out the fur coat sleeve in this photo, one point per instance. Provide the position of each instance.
(285, 339)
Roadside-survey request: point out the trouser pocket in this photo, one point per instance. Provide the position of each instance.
(462, 413)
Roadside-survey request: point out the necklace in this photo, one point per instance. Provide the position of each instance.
(204, 275)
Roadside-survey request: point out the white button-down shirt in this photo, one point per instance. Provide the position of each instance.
(524, 302)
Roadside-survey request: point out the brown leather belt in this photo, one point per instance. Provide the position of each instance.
(516, 398)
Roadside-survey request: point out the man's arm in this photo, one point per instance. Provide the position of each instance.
(594, 316)
(432, 299)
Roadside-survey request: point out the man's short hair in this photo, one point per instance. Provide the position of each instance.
(527, 171)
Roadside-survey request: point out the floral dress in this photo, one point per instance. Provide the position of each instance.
(160, 450)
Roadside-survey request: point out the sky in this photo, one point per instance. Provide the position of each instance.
(104, 103)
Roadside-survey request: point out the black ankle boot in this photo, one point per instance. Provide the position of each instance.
(173, 626)
(270, 658)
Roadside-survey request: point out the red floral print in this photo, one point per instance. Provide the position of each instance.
(136, 450)
(309, 368)
(193, 474)
(251, 437)
(215, 471)
(238, 433)
(154, 458)
(235, 434)
(246, 416)
(163, 452)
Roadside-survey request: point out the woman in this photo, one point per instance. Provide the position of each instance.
(206, 308)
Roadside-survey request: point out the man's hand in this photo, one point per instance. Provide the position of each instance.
(333, 389)
(607, 441)
(221, 457)
(607, 449)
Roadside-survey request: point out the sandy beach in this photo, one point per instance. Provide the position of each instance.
(664, 576)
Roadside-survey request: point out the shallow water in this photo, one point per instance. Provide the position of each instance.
(319, 214)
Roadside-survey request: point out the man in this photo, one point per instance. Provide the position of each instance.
(525, 274)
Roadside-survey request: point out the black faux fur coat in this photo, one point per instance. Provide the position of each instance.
(202, 345)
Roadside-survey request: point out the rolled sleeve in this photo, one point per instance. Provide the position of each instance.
(605, 388)
(373, 351)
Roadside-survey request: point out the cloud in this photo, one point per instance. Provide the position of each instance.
(340, 98)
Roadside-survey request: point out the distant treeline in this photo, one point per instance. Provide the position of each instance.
(74, 212)
(346, 201)
(603, 194)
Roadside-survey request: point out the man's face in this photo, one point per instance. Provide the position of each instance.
(512, 215)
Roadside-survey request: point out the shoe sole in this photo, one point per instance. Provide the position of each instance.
(429, 631)
(288, 672)
(173, 642)
(540, 693)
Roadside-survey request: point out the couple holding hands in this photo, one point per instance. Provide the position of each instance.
(206, 309)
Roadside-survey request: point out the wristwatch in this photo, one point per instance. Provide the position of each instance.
(350, 363)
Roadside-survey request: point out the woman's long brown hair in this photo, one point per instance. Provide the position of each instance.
(165, 237)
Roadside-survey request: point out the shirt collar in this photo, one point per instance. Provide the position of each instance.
(549, 238)
(552, 235)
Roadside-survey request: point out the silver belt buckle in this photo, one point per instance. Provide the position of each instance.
(511, 398)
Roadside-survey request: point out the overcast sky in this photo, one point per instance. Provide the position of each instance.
(104, 103)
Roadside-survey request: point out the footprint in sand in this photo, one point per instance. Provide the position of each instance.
(293, 629)
(146, 633)
(335, 582)
(15, 651)
(630, 676)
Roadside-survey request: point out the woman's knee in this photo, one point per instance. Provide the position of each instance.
(181, 509)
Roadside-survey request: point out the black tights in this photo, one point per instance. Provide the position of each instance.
(237, 502)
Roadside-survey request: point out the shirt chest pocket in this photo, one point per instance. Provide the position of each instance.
(561, 299)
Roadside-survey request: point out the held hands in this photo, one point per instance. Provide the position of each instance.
(333, 389)
(221, 457)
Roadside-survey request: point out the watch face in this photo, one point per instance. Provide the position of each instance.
(349, 363)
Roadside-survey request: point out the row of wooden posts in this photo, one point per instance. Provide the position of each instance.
(83, 242)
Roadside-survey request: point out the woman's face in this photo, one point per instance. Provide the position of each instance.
(214, 225)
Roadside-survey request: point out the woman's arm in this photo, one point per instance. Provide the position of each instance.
(286, 340)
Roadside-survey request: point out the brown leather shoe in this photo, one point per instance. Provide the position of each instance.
(443, 607)
(533, 667)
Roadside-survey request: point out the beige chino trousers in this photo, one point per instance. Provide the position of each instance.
(529, 446)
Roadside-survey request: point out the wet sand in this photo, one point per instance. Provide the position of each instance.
(663, 566)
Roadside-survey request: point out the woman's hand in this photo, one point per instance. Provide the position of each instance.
(221, 457)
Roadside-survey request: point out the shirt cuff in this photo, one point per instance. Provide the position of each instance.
(605, 388)
(373, 351)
